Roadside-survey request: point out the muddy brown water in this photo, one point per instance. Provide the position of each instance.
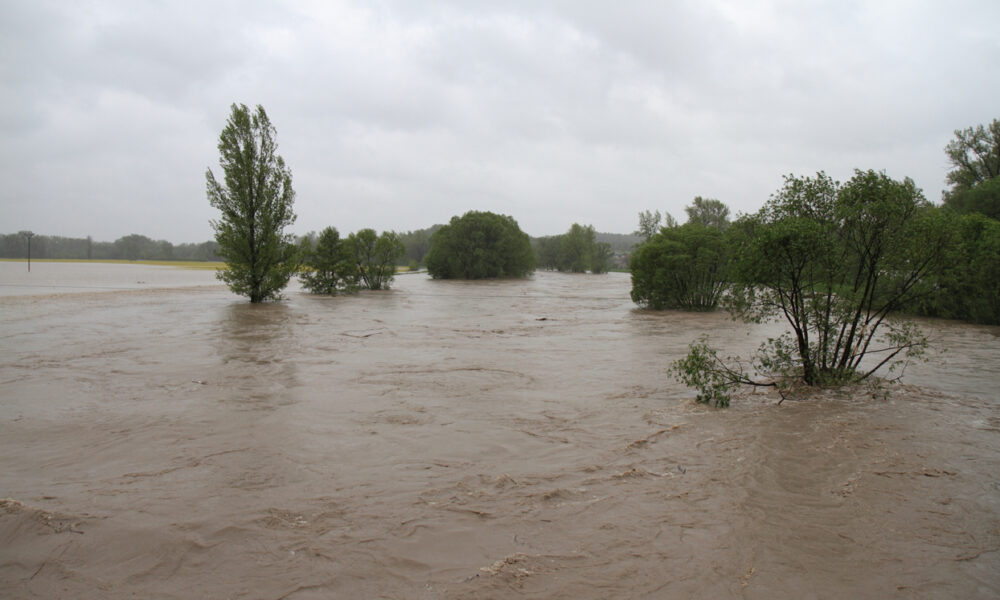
(469, 440)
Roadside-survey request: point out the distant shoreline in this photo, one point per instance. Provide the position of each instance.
(183, 264)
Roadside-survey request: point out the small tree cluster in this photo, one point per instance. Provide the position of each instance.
(576, 251)
(362, 260)
(375, 257)
(327, 265)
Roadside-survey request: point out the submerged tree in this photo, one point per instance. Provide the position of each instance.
(374, 257)
(601, 256)
(576, 251)
(682, 267)
(834, 262)
(329, 268)
(255, 200)
(480, 245)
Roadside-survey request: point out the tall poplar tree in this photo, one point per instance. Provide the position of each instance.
(256, 204)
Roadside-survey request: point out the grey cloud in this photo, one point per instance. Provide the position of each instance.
(400, 114)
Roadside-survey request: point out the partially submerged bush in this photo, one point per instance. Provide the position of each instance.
(480, 245)
(833, 262)
(327, 267)
(681, 267)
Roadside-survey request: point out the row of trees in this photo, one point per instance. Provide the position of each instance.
(691, 266)
(129, 247)
(584, 249)
(361, 260)
(255, 201)
(579, 250)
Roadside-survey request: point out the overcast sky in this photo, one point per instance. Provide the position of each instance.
(400, 114)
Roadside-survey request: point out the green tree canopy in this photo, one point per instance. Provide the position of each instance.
(601, 256)
(375, 257)
(708, 212)
(480, 245)
(833, 261)
(974, 155)
(684, 267)
(681, 267)
(329, 264)
(968, 286)
(982, 198)
(649, 224)
(547, 251)
(576, 247)
(136, 247)
(576, 251)
(255, 200)
(417, 244)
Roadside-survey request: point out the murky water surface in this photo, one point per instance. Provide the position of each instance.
(455, 440)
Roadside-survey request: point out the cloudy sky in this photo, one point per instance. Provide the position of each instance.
(400, 114)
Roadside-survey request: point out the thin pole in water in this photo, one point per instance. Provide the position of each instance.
(28, 235)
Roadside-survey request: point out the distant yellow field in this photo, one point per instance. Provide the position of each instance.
(183, 264)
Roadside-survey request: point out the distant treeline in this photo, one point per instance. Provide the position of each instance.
(129, 247)
(140, 247)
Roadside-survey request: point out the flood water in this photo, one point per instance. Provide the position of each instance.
(466, 439)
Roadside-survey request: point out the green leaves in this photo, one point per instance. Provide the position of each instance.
(576, 251)
(329, 268)
(255, 205)
(375, 257)
(975, 156)
(967, 286)
(480, 245)
(833, 261)
(684, 267)
(702, 370)
(708, 212)
(362, 260)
